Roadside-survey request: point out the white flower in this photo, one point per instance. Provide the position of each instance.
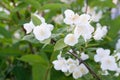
(77, 74)
(115, 1)
(72, 68)
(68, 1)
(105, 72)
(85, 30)
(28, 27)
(42, 32)
(80, 71)
(84, 56)
(71, 39)
(117, 55)
(118, 44)
(108, 63)
(84, 19)
(95, 16)
(100, 32)
(60, 65)
(58, 19)
(101, 53)
(117, 72)
(71, 17)
(17, 35)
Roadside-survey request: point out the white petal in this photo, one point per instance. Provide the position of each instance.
(71, 39)
(41, 32)
(28, 27)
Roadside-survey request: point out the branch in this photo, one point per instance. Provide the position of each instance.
(19, 17)
(86, 5)
(82, 61)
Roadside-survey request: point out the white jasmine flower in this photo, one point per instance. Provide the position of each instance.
(28, 27)
(70, 61)
(77, 74)
(105, 72)
(100, 32)
(50, 26)
(117, 72)
(80, 71)
(71, 17)
(95, 16)
(60, 65)
(108, 63)
(17, 35)
(84, 30)
(68, 1)
(117, 55)
(118, 44)
(42, 32)
(115, 1)
(71, 39)
(84, 19)
(72, 68)
(83, 69)
(101, 53)
(84, 56)
(58, 19)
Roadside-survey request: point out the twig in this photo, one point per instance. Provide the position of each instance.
(82, 61)
(19, 17)
(86, 5)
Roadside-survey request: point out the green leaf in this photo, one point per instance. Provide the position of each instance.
(3, 15)
(54, 6)
(33, 59)
(36, 21)
(34, 3)
(5, 33)
(30, 38)
(39, 72)
(10, 52)
(59, 45)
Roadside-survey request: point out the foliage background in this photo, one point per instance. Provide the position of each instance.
(27, 59)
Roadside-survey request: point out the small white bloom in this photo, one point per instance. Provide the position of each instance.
(50, 26)
(105, 72)
(117, 72)
(108, 63)
(100, 32)
(101, 53)
(58, 19)
(85, 30)
(77, 74)
(71, 17)
(82, 68)
(17, 35)
(42, 32)
(95, 16)
(60, 65)
(117, 55)
(84, 19)
(72, 68)
(118, 44)
(71, 39)
(115, 1)
(68, 1)
(80, 71)
(84, 56)
(28, 27)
